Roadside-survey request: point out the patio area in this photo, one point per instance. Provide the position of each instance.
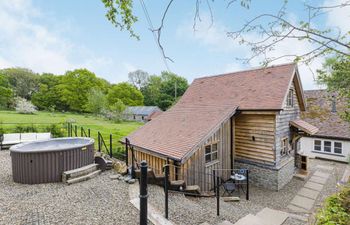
(105, 201)
(96, 201)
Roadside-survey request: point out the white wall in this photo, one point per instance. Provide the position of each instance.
(307, 148)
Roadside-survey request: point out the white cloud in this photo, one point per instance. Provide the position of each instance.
(25, 41)
(338, 17)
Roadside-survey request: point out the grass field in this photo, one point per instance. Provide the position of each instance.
(10, 119)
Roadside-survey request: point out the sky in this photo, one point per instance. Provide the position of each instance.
(56, 36)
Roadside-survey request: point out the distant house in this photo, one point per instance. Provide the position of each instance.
(141, 113)
(332, 141)
(248, 119)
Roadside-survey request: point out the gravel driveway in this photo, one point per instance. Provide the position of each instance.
(97, 201)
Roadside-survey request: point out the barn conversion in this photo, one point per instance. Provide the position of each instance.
(235, 120)
(141, 113)
(332, 140)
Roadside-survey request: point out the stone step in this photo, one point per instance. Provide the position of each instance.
(251, 220)
(272, 217)
(84, 178)
(70, 174)
(193, 189)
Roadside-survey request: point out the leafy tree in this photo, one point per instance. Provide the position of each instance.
(6, 94)
(125, 92)
(336, 76)
(24, 106)
(97, 101)
(138, 78)
(74, 88)
(164, 90)
(48, 96)
(24, 82)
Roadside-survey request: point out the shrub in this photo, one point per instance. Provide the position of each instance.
(24, 106)
(336, 209)
(56, 130)
(25, 129)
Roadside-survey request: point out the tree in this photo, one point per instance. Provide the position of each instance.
(24, 82)
(138, 78)
(271, 29)
(125, 92)
(24, 106)
(48, 96)
(6, 94)
(164, 90)
(74, 88)
(97, 101)
(336, 76)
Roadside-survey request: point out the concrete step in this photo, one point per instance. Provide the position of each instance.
(70, 174)
(84, 178)
(251, 220)
(272, 217)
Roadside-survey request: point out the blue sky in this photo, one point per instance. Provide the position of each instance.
(55, 36)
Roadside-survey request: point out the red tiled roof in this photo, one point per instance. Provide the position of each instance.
(154, 115)
(304, 126)
(207, 103)
(318, 113)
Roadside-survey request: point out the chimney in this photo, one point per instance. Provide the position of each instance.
(334, 104)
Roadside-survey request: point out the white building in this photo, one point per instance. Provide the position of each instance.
(332, 141)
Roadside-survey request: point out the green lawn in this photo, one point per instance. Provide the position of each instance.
(10, 119)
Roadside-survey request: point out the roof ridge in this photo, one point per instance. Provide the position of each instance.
(246, 70)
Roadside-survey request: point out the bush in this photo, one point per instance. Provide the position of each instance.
(25, 129)
(56, 130)
(24, 106)
(336, 209)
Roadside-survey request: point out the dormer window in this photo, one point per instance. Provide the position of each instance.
(290, 99)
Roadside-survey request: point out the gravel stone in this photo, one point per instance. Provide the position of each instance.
(96, 201)
(132, 181)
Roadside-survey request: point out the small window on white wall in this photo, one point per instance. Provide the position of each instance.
(327, 146)
(338, 147)
(317, 145)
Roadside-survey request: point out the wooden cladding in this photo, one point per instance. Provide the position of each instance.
(255, 137)
(153, 162)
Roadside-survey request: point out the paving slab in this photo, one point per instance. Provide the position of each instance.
(309, 193)
(251, 220)
(272, 217)
(320, 180)
(303, 202)
(322, 167)
(313, 186)
(321, 174)
(296, 209)
(225, 222)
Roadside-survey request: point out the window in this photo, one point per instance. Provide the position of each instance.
(338, 147)
(284, 149)
(317, 145)
(211, 152)
(327, 146)
(290, 100)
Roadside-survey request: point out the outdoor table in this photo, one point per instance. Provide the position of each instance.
(239, 181)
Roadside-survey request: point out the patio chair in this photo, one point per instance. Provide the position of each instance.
(229, 186)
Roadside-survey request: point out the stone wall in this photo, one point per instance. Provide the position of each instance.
(268, 177)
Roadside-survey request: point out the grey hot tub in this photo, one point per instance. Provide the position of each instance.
(45, 161)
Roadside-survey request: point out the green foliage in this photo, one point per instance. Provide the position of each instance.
(25, 129)
(74, 88)
(24, 82)
(336, 75)
(336, 209)
(47, 97)
(120, 14)
(56, 130)
(160, 90)
(125, 92)
(97, 101)
(6, 93)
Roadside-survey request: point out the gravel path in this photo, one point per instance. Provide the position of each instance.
(96, 201)
(189, 210)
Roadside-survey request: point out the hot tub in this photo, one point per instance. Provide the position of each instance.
(45, 161)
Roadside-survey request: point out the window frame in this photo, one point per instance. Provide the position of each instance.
(341, 147)
(330, 146)
(211, 153)
(284, 146)
(320, 145)
(290, 98)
